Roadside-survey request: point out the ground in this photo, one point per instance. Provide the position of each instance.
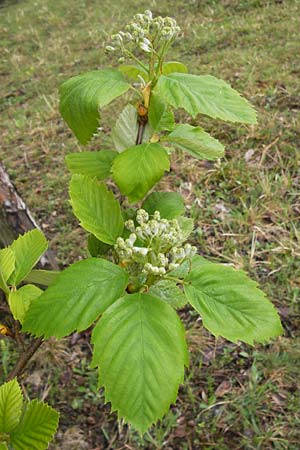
(246, 209)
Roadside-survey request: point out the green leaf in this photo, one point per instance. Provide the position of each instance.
(37, 427)
(82, 96)
(95, 247)
(195, 141)
(173, 66)
(10, 406)
(77, 297)
(169, 292)
(7, 266)
(160, 117)
(139, 346)
(138, 168)
(27, 249)
(231, 305)
(93, 164)
(42, 277)
(132, 71)
(7, 262)
(96, 208)
(3, 446)
(126, 129)
(169, 204)
(205, 94)
(20, 300)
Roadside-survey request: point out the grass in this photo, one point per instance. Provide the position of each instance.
(246, 209)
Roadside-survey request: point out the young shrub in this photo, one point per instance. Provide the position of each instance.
(141, 268)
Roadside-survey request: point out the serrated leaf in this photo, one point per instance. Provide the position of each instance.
(169, 204)
(7, 266)
(37, 427)
(93, 164)
(126, 129)
(160, 117)
(77, 297)
(28, 249)
(96, 208)
(139, 346)
(95, 247)
(20, 300)
(10, 405)
(82, 96)
(169, 292)
(205, 94)
(196, 142)
(42, 277)
(138, 168)
(231, 305)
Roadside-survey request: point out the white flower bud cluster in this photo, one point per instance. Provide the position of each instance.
(145, 32)
(158, 250)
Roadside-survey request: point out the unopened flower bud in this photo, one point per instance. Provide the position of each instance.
(129, 224)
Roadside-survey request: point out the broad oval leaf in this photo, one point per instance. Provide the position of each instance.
(169, 292)
(231, 305)
(19, 300)
(77, 297)
(139, 346)
(160, 117)
(205, 94)
(93, 164)
(138, 168)
(169, 204)
(125, 132)
(82, 96)
(96, 208)
(196, 142)
(37, 427)
(28, 249)
(10, 405)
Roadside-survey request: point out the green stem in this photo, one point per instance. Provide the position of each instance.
(137, 60)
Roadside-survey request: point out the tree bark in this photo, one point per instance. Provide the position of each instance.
(16, 219)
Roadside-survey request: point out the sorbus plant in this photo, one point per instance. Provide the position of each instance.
(140, 269)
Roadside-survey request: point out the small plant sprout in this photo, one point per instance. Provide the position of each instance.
(140, 268)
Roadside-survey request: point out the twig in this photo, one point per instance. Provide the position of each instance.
(24, 359)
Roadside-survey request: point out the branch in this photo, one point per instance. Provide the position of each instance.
(139, 138)
(24, 359)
